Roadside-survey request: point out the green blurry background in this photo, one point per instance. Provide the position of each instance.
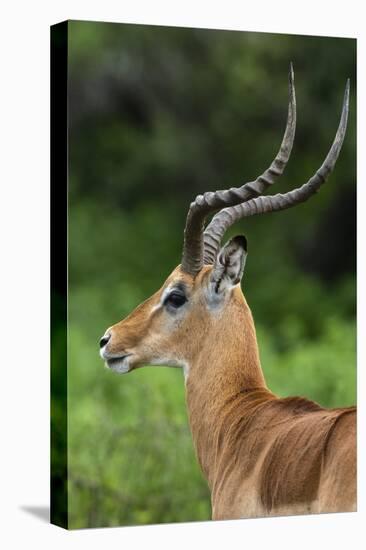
(158, 115)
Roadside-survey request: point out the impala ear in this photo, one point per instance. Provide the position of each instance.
(229, 265)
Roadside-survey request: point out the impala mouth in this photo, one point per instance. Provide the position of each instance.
(118, 364)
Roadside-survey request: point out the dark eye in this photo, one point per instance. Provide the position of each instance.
(175, 299)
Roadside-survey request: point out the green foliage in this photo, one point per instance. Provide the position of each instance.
(156, 117)
(322, 369)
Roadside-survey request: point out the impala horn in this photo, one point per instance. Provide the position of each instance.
(193, 248)
(260, 205)
(201, 247)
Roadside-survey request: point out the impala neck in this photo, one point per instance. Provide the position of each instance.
(227, 365)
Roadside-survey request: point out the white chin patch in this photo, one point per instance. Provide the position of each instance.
(118, 365)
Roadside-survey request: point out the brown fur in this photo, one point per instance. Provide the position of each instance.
(262, 455)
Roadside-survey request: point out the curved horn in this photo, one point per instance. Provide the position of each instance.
(260, 205)
(192, 260)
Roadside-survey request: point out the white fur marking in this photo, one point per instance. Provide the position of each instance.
(185, 371)
(122, 366)
(165, 362)
(162, 299)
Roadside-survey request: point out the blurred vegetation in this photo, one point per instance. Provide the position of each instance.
(156, 116)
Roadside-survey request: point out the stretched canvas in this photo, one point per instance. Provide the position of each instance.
(203, 341)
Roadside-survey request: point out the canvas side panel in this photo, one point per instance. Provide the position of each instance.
(59, 172)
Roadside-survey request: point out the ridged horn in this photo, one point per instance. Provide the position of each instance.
(260, 205)
(193, 247)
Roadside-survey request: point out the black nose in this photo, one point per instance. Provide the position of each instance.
(104, 340)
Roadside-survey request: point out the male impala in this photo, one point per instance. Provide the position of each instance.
(261, 454)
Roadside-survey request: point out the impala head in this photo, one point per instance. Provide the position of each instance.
(203, 294)
(160, 330)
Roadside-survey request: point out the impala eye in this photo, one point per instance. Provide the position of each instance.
(175, 299)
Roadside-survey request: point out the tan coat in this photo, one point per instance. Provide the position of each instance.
(262, 455)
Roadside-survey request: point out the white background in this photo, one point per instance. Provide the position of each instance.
(24, 305)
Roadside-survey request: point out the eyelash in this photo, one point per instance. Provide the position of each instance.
(175, 295)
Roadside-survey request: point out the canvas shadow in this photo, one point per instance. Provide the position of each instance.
(40, 512)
